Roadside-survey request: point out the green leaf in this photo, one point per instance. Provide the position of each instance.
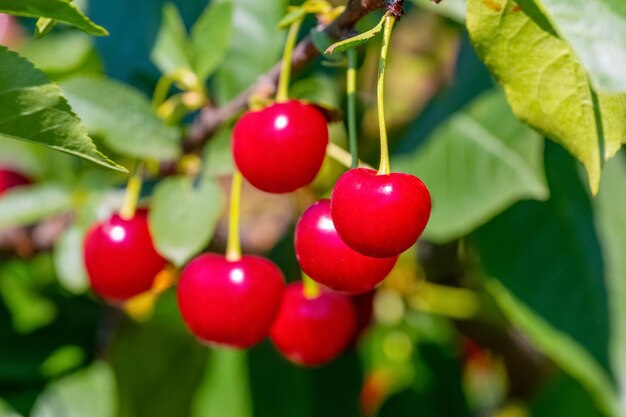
(224, 391)
(32, 109)
(611, 222)
(545, 83)
(43, 26)
(550, 279)
(558, 346)
(74, 46)
(504, 157)
(88, 392)
(210, 37)
(184, 216)
(123, 117)
(550, 401)
(171, 49)
(218, 156)
(27, 205)
(596, 31)
(257, 48)
(61, 10)
(355, 41)
(69, 262)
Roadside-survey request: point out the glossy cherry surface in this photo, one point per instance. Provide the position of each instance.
(120, 257)
(280, 148)
(230, 303)
(10, 179)
(379, 215)
(313, 331)
(328, 260)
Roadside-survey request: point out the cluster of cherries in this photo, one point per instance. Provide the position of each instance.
(348, 244)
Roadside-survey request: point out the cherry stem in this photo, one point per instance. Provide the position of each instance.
(131, 197)
(385, 167)
(233, 246)
(282, 93)
(351, 96)
(311, 288)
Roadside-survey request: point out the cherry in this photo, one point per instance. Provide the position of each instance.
(364, 305)
(313, 331)
(328, 260)
(10, 178)
(230, 303)
(280, 148)
(120, 257)
(379, 215)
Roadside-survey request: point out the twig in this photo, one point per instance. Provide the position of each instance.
(210, 118)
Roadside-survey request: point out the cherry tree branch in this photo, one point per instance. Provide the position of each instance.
(211, 118)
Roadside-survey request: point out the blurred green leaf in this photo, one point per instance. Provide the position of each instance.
(563, 396)
(224, 391)
(61, 360)
(74, 46)
(550, 276)
(596, 31)
(122, 116)
(257, 48)
(171, 49)
(184, 215)
(62, 10)
(544, 82)
(88, 392)
(218, 157)
(69, 262)
(611, 222)
(318, 89)
(32, 109)
(476, 164)
(210, 37)
(26, 205)
(453, 9)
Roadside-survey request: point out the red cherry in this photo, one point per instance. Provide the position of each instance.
(324, 257)
(120, 257)
(364, 305)
(280, 148)
(230, 303)
(10, 178)
(313, 331)
(379, 215)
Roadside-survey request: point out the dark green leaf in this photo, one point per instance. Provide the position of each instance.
(122, 116)
(32, 109)
(563, 396)
(61, 10)
(210, 37)
(504, 157)
(184, 216)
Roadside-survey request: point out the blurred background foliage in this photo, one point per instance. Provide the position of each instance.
(511, 305)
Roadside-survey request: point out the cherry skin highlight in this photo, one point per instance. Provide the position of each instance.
(120, 257)
(379, 215)
(280, 148)
(230, 303)
(328, 260)
(10, 179)
(313, 331)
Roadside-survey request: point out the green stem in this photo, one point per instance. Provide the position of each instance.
(385, 167)
(133, 189)
(311, 288)
(282, 93)
(351, 95)
(233, 246)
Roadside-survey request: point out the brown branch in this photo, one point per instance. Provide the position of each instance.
(210, 118)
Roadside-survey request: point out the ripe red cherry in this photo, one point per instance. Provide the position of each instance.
(313, 331)
(120, 257)
(230, 303)
(10, 178)
(379, 215)
(324, 257)
(280, 148)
